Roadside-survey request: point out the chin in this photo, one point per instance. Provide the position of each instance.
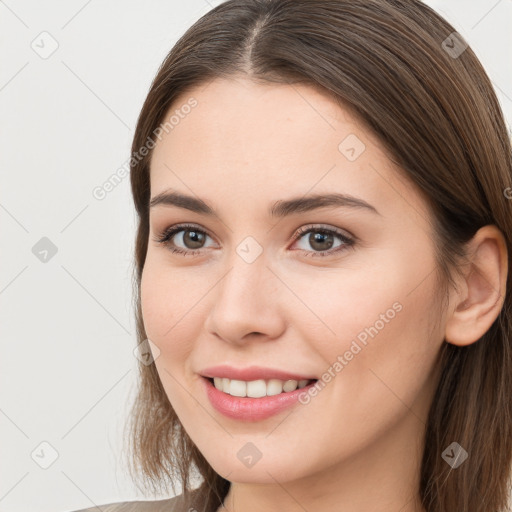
(265, 470)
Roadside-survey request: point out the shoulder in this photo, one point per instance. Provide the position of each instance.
(169, 505)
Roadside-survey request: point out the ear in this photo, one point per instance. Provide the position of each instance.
(481, 294)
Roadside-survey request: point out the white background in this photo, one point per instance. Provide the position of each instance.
(67, 329)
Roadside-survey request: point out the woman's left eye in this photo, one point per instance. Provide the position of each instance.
(321, 238)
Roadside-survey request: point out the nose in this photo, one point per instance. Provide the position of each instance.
(247, 303)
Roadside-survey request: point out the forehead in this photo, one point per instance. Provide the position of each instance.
(264, 142)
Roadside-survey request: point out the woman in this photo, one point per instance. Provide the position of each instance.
(322, 285)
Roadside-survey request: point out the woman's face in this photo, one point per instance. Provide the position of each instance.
(350, 299)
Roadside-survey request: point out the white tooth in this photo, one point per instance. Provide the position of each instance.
(290, 385)
(256, 388)
(238, 388)
(274, 387)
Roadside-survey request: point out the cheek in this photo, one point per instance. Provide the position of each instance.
(376, 333)
(153, 298)
(163, 306)
(346, 304)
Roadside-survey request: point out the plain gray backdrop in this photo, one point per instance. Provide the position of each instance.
(73, 78)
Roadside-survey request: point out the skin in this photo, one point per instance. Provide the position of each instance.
(357, 444)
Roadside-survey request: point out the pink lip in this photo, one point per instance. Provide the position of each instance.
(251, 373)
(251, 409)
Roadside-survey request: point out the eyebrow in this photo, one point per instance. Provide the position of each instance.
(281, 208)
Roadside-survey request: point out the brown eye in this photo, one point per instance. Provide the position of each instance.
(189, 241)
(192, 239)
(321, 240)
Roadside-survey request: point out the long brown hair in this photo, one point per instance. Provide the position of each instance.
(401, 69)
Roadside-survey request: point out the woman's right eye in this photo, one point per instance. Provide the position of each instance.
(191, 236)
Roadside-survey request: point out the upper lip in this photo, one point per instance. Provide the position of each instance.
(251, 373)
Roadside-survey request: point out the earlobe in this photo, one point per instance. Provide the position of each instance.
(474, 309)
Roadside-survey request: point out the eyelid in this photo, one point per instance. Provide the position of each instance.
(323, 227)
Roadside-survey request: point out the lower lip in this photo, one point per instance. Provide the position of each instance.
(251, 409)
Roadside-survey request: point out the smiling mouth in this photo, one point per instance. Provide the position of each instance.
(257, 388)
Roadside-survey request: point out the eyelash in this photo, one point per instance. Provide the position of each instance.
(165, 236)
